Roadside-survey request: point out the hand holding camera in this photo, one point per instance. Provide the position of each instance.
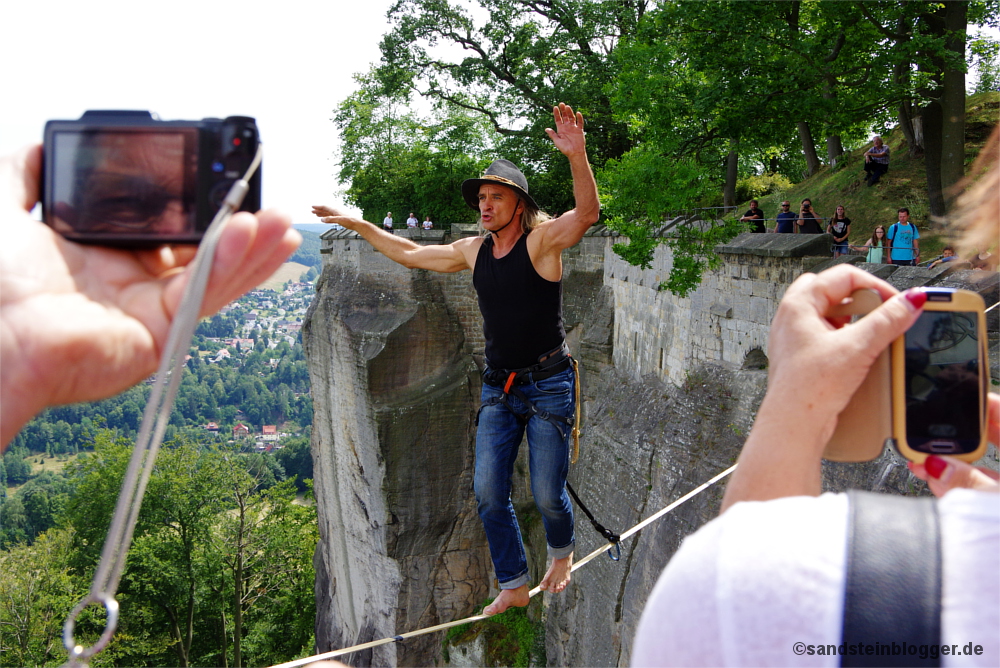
(84, 322)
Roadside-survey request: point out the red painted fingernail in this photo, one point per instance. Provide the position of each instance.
(935, 466)
(917, 298)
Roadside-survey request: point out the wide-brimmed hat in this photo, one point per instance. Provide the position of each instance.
(503, 172)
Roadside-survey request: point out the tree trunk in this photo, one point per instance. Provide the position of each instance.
(808, 148)
(834, 149)
(931, 117)
(953, 101)
(906, 123)
(239, 586)
(732, 165)
(225, 645)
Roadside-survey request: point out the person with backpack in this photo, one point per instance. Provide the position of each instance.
(904, 241)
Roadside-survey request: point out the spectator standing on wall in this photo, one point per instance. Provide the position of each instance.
(840, 228)
(904, 241)
(786, 219)
(876, 161)
(876, 246)
(756, 217)
(427, 223)
(807, 222)
(387, 222)
(412, 221)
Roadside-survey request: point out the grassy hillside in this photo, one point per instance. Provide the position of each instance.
(904, 185)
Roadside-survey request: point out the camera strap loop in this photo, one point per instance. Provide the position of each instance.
(154, 425)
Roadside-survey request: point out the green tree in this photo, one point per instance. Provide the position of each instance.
(37, 590)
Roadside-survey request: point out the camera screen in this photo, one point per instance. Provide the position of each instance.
(122, 182)
(943, 383)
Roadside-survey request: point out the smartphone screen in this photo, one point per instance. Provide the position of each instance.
(124, 182)
(942, 383)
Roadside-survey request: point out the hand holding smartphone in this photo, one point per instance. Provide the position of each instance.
(927, 393)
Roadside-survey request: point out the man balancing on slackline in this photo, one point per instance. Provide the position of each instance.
(528, 380)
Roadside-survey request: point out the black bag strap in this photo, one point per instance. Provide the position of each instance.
(892, 601)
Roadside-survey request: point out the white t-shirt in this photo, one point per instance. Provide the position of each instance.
(428, 224)
(387, 222)
(411, 222)
(748, 586)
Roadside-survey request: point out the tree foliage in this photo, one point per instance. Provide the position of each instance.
(717, 91)
(221, 557)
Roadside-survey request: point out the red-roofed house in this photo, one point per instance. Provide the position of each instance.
(241, 430)
(269, 432)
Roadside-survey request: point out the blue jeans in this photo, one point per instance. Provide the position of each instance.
(497, 441)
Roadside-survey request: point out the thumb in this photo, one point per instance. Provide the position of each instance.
(890, 320)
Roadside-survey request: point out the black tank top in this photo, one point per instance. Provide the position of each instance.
(522, 312)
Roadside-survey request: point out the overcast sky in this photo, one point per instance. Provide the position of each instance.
(288, 63)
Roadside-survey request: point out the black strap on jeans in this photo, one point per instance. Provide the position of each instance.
(892, 599)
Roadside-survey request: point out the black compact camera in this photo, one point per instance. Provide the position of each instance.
(128, 179)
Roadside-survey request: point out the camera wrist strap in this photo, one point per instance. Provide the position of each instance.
(155, 418)
(892, 596)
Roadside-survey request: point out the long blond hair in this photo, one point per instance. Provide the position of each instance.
(976, 214)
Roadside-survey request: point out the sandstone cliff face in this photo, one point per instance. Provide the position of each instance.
(670, 389)
(400, 545)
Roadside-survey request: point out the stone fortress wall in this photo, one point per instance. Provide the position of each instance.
(670, 387)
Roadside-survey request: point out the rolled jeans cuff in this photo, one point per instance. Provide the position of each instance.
(561, 552)
(519, 581)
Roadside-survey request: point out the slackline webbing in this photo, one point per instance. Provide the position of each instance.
(478, 618)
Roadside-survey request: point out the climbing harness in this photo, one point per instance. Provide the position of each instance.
(553, 362)
(151, 431)
(531, 594)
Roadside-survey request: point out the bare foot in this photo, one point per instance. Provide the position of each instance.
(558, 576)
(508, 598)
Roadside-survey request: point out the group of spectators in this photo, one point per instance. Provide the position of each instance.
(411, 222)
(804, 222)
(899, 244)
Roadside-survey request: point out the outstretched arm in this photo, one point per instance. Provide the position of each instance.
(569, 228)
(81, 323)
(446, 259)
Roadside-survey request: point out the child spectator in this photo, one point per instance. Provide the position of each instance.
(947, 255)
(427, 223)
(876, 246)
